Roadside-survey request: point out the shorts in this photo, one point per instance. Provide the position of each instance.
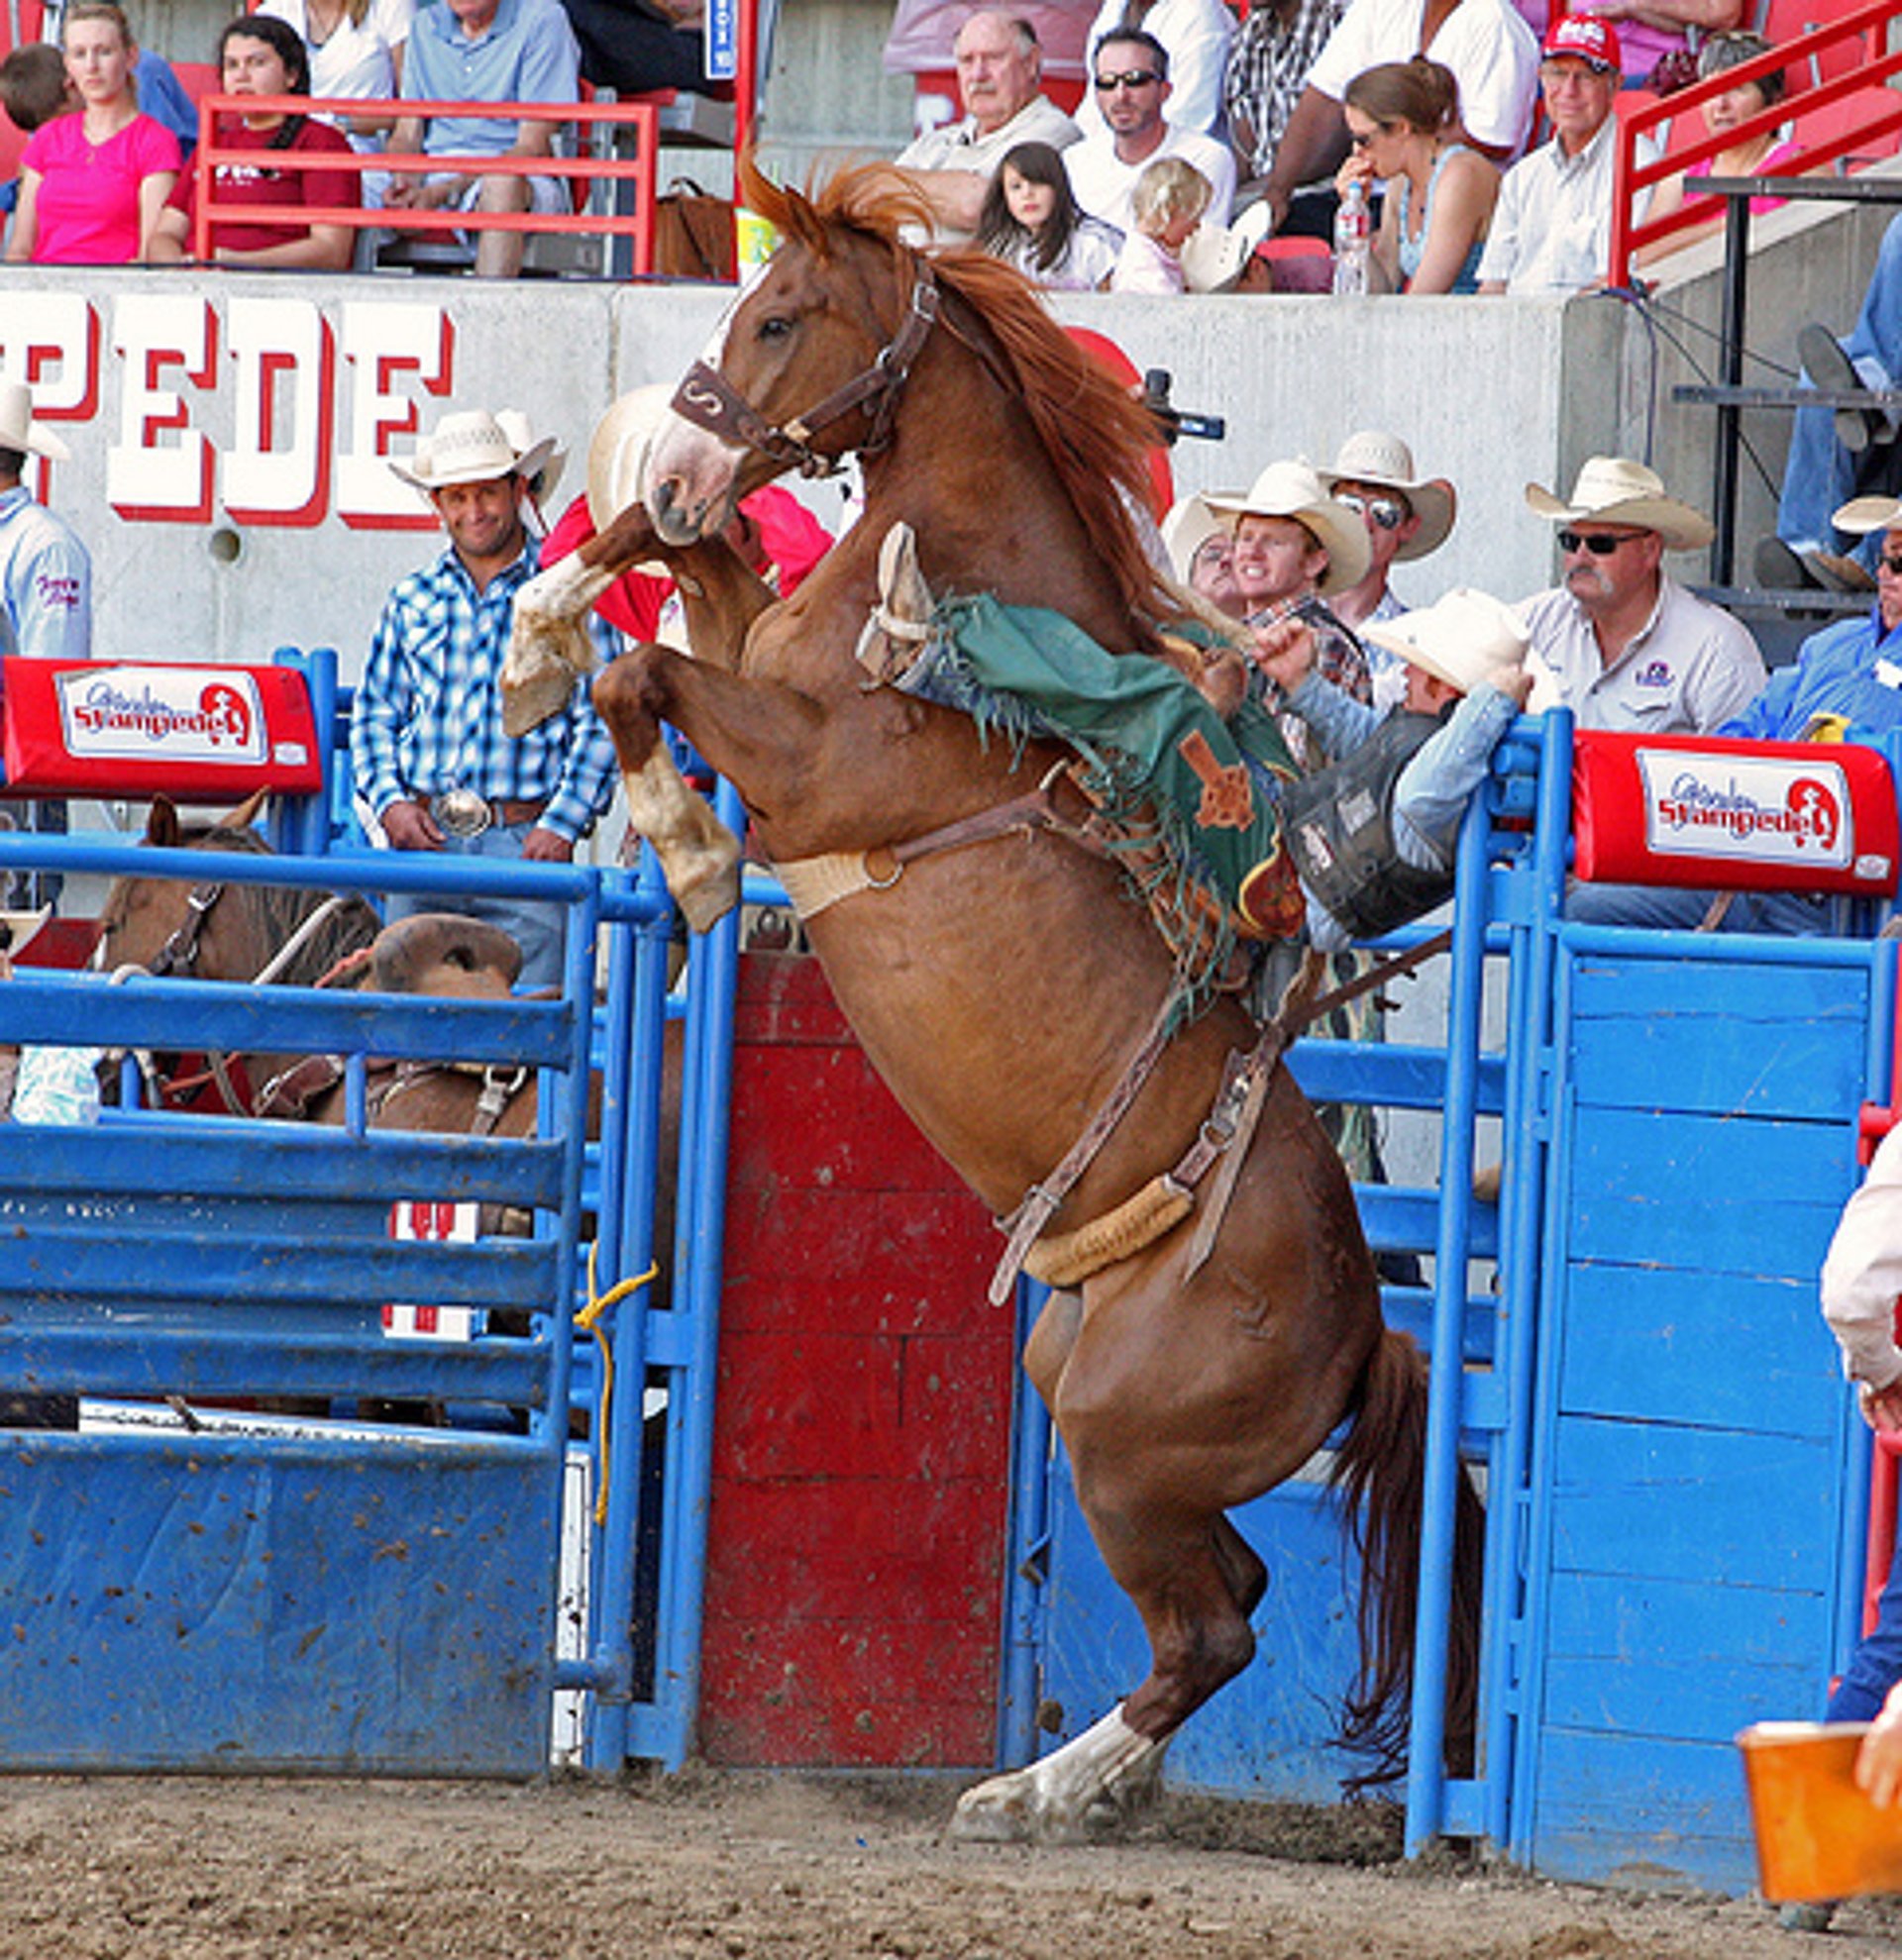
(547, 195)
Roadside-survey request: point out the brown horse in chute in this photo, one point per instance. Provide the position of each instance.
(1001, 978)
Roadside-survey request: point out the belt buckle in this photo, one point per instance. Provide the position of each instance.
(461, 812)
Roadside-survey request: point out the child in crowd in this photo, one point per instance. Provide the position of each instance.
(1169, 200)
(91, 184)
(1031, 220)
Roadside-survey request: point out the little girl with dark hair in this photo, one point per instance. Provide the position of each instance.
(1033, 221)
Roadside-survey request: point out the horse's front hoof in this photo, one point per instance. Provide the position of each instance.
(1013, 1809)
(536, 684)
(706, 894)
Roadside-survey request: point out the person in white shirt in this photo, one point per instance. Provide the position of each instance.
(1130, 79)
(999, 68)
(1194, 34)
(1492, 53)
(1552, 229)
(356, 52)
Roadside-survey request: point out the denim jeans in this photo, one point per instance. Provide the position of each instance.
(536, 928)
(1819, 473)
(1663, 907)
(1876, 1665)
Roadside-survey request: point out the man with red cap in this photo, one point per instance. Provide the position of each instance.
(1552, 226)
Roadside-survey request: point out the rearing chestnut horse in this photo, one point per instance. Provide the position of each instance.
(1002, 978)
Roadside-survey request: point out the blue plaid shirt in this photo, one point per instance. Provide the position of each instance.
(429, 713)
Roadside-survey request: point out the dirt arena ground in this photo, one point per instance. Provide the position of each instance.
(722, 1866)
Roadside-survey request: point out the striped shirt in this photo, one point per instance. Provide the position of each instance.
(428, 716)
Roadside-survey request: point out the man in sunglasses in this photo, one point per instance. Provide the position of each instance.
(1407, 517)
(1626, 645)
(1000, 76)
(1129, 79)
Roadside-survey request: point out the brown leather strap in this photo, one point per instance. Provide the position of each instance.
(1400, 963)
(1226, 1135)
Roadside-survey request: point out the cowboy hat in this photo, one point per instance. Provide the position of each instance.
(1372, 457)
(617, 451)
(18, 930)
(1292, 489)
(1462, 639)
(521, 432)
(1617, 490)
(17, 430)
(1187, 527)
(1215, 257)
(1861, 515)
(469, 446)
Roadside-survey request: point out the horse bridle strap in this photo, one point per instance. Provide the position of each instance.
(707, 399)
(180, 953)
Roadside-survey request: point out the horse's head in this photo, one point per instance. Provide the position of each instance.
(800, 370)
(142, 916)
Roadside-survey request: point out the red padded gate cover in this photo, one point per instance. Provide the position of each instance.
(1755, 816)
(208, 733)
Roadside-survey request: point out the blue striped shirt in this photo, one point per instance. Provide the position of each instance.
(428, 715)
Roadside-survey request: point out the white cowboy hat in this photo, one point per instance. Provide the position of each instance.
(1861, 515)
(1373, 456)
(1187, 527)
(469, 446)
(1215, 257)
(521, 432)
(18, 930)
(1617, 490)
(17, 430)
(1462, 639)
(618, 453)
(1292, 489)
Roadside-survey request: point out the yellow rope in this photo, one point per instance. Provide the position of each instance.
(589, 1322)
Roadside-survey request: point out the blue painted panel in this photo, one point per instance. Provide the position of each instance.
(1729, 1038)
(1270, 1732)
(1629, 1809)
(1667, 1622)
(1694, 1701)
(1662, 1345)
(1704, 1192)
(209, 1604)
(1656, 1502)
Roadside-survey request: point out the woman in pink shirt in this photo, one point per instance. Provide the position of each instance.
(92, 184)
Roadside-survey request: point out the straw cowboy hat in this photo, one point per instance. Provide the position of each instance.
(1373, 456)
(617, 454)
(1462, 639)
(521, 432)
(471, 445)
(1187, 527)
(1215, 257)
(1617, 490)
(17, 430)
(1861, 515)
(1292, 489)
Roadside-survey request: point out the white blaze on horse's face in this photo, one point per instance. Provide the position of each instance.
(689, 472)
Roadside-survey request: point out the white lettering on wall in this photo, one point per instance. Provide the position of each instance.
(391, 348)
(278, 469)
(161, 468)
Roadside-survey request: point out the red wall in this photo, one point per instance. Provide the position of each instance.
(861, 1431)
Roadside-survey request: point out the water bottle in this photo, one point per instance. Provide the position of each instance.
(57, 1086)
(1353, 232)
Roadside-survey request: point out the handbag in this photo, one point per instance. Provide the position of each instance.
(694, 234)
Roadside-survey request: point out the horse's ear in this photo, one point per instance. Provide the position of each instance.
(784, 208)
(162, 823)
(246, 814)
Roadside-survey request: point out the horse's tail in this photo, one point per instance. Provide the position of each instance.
(1381, 1473)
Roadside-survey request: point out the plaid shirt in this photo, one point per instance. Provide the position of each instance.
(1268, 63)
(428, 716)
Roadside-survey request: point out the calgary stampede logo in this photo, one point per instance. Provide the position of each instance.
(1753, 810)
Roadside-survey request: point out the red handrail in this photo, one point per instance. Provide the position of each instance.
(640, 170)
(1634, 178)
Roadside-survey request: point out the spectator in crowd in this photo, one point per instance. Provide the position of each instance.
(1275, 47)
(1834, 453)
(635, 47)
(428, 753)
(1033, 218)
(1766, 155)
(355, 50)
(1130, 79)
(45, 595)
(259, 55)
(1628, 646)
(1489, 49)
(1552, 229)
(1407, 517)
(1195, 37)
(1170, 197)
(999, 68)
(1403, 121)
(485, 51)
(1202, 553)
(91, 184)
(1374, 833)
(1655, 35)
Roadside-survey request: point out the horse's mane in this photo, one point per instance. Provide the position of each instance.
(1096, 434)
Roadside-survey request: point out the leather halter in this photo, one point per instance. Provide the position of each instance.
(707, 399)
(180, 953)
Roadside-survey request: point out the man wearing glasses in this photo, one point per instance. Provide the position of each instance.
(1626, 645)
(999, 69)
(1129, 79)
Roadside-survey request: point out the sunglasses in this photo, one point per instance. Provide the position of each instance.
(1361, 138)
(1891, 561)
(1387, 512)
(1128, 78)
(1597, 543)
